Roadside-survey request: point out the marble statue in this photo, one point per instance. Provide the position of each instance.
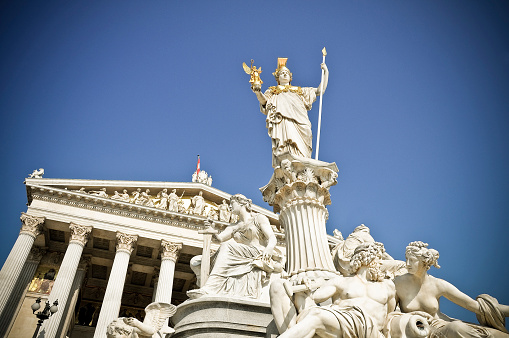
(224, 212)
(154, 325)
(100, 193)
(360, 303)
(81, 191)
(125, 196)
(136, 196)
(116, 196)
(37, 173)
(213, 215)
(173, 200)
(246, 256)
(418, 291)
(287, 107)
(162, 197)
(198, 204)
(202, 177)
(343, 252)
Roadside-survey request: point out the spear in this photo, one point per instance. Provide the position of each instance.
(324, 53)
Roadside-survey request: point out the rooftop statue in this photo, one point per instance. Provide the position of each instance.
(286, 107)
(418, 291)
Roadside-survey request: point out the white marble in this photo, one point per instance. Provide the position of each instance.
(31, 227)
(286, 107)
(169, 256)
(113, 295)
(65, 278)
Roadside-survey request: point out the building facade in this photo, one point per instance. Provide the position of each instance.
(105, 249)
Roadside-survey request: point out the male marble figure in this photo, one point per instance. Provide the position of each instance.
(287, 107)
(360, 303)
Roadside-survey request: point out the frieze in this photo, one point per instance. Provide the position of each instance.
(36, 254)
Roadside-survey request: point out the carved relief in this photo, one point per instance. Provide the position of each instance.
(36, 254)
(79, 233)
(85, 262)
(170, 250)
(202, 177)
(31, 225)
(126, 242)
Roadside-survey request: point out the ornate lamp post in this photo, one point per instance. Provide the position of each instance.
(44, 314)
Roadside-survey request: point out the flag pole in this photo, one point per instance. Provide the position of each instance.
(324, 52)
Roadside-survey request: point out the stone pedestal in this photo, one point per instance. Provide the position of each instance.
(212, 317)
(299, 191)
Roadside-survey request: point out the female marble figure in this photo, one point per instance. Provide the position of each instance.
(245, 254)
(287, 107)
(418, 291)
(163, 199)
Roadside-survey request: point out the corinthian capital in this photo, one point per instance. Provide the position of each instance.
(170, 250)
(79, 233)
(31, 225)
(126, 242)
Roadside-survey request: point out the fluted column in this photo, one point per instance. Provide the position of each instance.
(113, 295)
(65, 277)
(299, 190)
(73, 296)
(169, 256)
(18, 294)
(30, 229)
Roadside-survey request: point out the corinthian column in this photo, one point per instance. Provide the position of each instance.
(65, 277)
(299, 190)
(30, 229)
(169, 256)
(13, 305)
(113, 295)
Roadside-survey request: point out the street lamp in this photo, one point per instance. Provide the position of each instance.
(44, 314)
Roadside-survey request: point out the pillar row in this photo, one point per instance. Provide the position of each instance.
(113, 295)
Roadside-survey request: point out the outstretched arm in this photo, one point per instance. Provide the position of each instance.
(269, 233)
(226, 234)
(259, 95)
(325, 80)
(452, 293)
(327, 290)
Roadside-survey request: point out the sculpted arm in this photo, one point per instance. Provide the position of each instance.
(267, 230)
(452, 293)
(325, 80)
(259, 95)
(226, 234)
(392, 300)
(327, 290)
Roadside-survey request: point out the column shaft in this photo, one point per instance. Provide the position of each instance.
(165, 282)
(71, 303)
(65, 279)
(13, 266)
(17, 296)
(62, 288)
(115, 287)
(113, 295)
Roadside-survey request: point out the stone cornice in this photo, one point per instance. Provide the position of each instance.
(59, 185)
(32, 225)
(79, 233)
(126, 242)
(170, 250)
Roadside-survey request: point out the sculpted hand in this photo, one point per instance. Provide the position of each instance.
(256, 88)
(132, 321)
(324, 67)
(267, 254)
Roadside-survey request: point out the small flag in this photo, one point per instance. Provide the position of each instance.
(198, 166)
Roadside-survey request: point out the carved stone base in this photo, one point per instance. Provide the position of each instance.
(211, 317)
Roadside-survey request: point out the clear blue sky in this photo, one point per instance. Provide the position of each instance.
(416, 114)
